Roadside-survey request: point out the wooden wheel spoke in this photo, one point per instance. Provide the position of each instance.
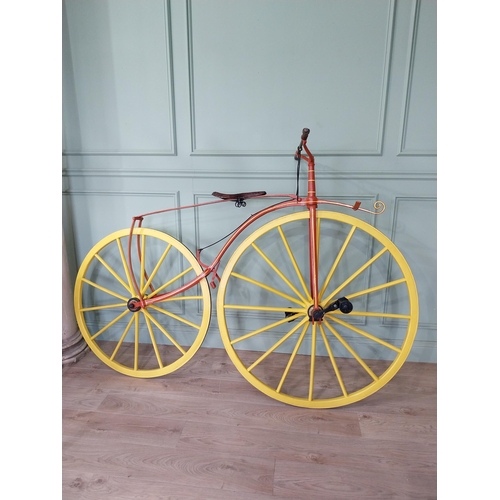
(336, 262)
(354, 276)
(277, 344)
(122, 338)
(292, 356)
(240, 307)
(155, 270)
(113, 273)
(136, 343)
(153, 339)
(175, 316)
(160, 327)
(278, 272)
(104, 289)
(376, 288)
(365, 334)
(260, 330)
(125, 265)
(371, 314)
(351, 350)
(313, 361)
(100, 308)
(294, 264)
(168, 283)
(269, 289)
(332, 360)
(111, 323)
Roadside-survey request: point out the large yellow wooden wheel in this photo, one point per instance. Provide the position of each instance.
(264, 301)
(158, 339)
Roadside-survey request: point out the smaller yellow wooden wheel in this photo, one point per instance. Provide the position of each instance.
(153, 341)
(264, 301)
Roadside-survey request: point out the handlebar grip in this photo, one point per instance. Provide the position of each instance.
(305, 133)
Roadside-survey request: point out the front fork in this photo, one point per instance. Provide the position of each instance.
(316, 312)
(312, 205)
(313, 258)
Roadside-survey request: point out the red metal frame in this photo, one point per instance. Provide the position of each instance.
(310, 203)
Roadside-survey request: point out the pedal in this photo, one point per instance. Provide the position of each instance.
(343, 304)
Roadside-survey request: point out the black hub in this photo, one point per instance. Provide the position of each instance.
(316, 315)
(133, 304)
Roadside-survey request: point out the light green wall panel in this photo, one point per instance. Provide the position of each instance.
(117, 87)
(165, 102)
(416, 237)
(419, 124)
(258, 67)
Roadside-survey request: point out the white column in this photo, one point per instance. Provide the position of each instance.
(73, 345)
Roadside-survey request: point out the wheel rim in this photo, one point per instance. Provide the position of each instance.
(264, 298)
(153, 341)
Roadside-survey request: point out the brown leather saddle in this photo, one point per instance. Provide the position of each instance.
(239, 198)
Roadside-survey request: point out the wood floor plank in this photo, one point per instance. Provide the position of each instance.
(95, 454)
(414, 379)
(87, 398)
(171, 383)
(207, 411)
(204, 433)
(345, 451)
(124, 428)
(326, 481)
(213, 363)
(387, 402)
(88, 486)
(90, 361)
(407, 427)
(382, 454)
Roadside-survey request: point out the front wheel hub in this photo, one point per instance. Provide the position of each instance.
(316, 314)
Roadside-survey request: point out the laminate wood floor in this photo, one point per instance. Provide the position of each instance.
(204, 433)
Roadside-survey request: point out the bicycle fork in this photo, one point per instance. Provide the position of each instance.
(311, 204)
(316, 311)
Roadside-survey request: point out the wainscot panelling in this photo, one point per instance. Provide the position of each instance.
(417, 238)
(419, 123)
(165, 102)
(99, 213)
(335, 78)
(118, 101)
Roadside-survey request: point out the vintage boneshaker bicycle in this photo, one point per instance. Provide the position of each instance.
(316, 308)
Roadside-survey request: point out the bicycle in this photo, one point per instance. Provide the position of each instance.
(145, 311)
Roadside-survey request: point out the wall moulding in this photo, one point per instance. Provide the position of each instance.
(161, 201)
(162, 12)
(404, 150)
(121, 153)
(238, 174)
(378, 130)
(397, 234)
